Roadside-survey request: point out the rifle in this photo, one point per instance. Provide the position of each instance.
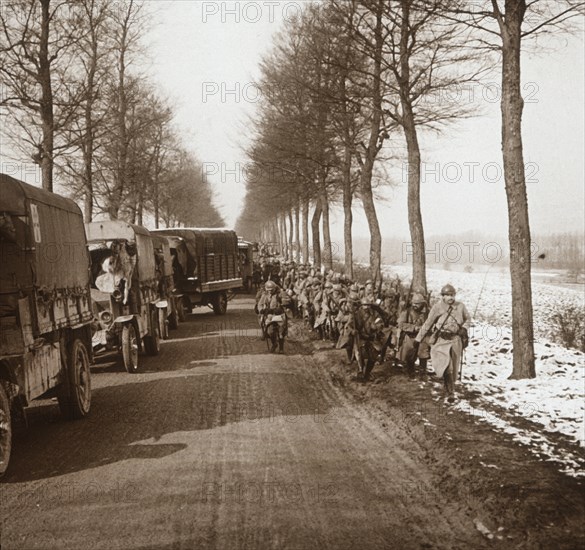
(380, 285)
(435, 336)
(481, 289)
(409, 295)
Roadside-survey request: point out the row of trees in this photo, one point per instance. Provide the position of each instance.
(350, 75)
(75, 102)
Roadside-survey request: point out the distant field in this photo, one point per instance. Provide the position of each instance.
(487, 295)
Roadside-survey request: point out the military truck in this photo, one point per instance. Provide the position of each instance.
(205, 265)
(169, 316)
(246, 252)
(45, 305)
(125, 290)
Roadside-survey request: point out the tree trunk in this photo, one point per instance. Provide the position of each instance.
(297, 233)
(347, 234)
(122, 137)
(419, 279)
(417, 236)
(140, 207)
(275, 232)
(327, 248)
(306, 206)
(284, 237)
(316, 236)
(514, 175)
(372, 152)
(156, 203)
(46, 103)
(346, 174)
(375, 235)
(290, 235)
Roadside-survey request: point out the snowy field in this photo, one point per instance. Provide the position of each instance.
(548, 413)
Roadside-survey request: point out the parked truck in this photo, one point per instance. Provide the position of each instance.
(125, 290)
(45, 305)
(205, 265)
(246, 252)
(169, 317)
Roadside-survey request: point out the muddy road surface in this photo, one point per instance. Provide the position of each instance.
(217, 443)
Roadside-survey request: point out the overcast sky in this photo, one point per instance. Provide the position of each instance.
(205, 55)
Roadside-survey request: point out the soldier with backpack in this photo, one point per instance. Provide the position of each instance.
(449, 321)
(409, 323)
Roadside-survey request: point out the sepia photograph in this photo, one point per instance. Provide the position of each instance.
(292, 274)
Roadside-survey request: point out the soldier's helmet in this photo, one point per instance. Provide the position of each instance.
(328, 285)
(337, 288)
(354, 288)
(448, 290)
(270, 285)
(354, 297)
(418, 299)
(369, 282)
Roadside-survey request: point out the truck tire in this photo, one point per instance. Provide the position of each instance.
(219, 303)
(182, 309)
(152, 340)
(163, 324)
(130, 348)
(5, 431)
(173, 317)
(75, 397)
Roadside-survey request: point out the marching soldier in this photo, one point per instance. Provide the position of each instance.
(409, 323)
(270, 306)
(447, 319)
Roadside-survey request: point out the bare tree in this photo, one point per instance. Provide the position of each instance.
(86, 130)
(35, 42)
(128, 25)
(503, 26)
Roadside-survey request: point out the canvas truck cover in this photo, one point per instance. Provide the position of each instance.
(43, 239)
(205, 244)
(115, 230)
(204, 241)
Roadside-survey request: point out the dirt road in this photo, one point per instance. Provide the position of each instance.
(219, 444)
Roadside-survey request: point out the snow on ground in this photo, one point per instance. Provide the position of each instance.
(536, 411)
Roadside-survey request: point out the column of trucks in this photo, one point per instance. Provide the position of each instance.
(71, 291)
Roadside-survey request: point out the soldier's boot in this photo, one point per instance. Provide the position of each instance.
(281, 345)
(422, 363)
(274, 344)
(368, 369)
(410, 369)
(449, 385)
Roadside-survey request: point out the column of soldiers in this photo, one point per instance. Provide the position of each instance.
(369, 322)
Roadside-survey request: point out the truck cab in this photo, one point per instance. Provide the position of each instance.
(125, 290)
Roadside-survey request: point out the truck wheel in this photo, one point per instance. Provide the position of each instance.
(75, 398)
(182, 309)
(163, 324)
(220, 303)
(5, 431)
(173, 319)
(152, 341)
(130, 348)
